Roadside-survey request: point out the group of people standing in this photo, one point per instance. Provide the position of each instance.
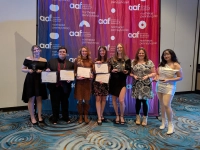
(141, 68)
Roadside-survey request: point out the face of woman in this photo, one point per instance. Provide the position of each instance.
(167, 56)
(141, 54)
(102, 52)
(36, 51)
(62, 54)
(84, 52)
(119, 49)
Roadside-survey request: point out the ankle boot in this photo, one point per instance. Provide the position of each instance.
(144, 120)
(163, 124)
(170, 128)
(80, 112)
(138, 119)
(86, 108)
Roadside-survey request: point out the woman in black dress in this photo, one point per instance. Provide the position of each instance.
(100, 89)
(33, 66)
(120, 69)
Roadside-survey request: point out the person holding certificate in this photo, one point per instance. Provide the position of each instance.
(100, 89)
(120, 69)
(169, 72)
(83, 67)
(60, 91)
(143, 70)
(33, 66)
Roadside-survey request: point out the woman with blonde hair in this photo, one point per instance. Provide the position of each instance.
(120, 67)
(83, 85)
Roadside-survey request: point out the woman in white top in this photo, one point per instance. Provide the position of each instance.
(169, 72)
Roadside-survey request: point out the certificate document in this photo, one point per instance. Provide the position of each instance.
(101, 68)
(103, 78)
(83, 72)
(67, 75)
(50, 77)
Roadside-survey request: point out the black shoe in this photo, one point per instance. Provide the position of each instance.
(99, 122)
(32, 122)
(53, 120)
(66, 120)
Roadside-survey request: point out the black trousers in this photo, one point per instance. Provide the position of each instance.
(59, 97)
(138, 106)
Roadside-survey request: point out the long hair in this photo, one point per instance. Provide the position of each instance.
(123, 52)
(80, 57)
(173, 58)
(99, 56)
(146, 59)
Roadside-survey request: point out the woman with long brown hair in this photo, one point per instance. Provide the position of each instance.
(100, 89)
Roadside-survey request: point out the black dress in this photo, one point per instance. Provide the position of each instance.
(118, 80)
(32, 83)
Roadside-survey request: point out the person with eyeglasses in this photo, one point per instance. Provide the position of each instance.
(59, 91)
(143, 70)
(33, 88)
(120, 67)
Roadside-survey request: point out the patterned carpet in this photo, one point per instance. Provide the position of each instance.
(17, 133)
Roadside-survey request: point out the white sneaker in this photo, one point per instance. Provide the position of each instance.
(170, 128)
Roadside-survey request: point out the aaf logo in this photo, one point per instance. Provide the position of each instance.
(108, 47)
(134, 7)
(75, 6)
(72, 59)
(104, 21)
(84, 23)
(46, 46)
(75, 33)
(134, 35)
(54, 8)
(47, 19)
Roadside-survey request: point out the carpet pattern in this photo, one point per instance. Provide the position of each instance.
(17, 133)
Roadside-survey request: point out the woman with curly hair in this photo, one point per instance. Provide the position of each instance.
(143, 70)
(83, 85)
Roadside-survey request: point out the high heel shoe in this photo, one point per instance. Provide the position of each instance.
(32, 122)
(122, 122)
(99, 122)
(163, 124)
(117, 120)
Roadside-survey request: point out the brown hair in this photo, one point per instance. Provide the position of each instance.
(99, 56)
(123, 52)
(137, 58)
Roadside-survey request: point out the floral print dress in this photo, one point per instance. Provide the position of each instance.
(142, 89)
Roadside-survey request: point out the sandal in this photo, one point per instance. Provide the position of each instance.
(99, 122)
(122, 122)
(117, 120)
(103, 119)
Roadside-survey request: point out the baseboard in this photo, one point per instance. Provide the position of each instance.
(184, 92)
(13, 108)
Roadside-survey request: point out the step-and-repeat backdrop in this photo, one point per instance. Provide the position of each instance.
(73, 23)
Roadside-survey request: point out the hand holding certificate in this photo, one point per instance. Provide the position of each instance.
(67, 75)
(103, 78)
(101, 68)
(49, 77)
(83, 72)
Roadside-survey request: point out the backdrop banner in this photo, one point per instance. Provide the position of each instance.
(74, 23)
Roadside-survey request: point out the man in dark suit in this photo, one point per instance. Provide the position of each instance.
(60, 91)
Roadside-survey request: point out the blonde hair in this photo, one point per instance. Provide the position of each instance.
(80, 57)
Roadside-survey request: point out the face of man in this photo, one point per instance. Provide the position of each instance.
(62, 54)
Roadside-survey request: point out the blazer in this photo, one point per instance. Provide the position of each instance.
(53, 66)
